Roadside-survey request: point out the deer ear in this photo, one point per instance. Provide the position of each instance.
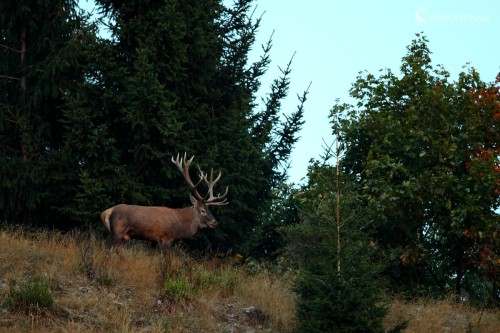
(193, 200)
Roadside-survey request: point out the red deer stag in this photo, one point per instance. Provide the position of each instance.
(163, 225)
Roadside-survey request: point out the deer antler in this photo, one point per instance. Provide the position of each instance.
(183, 166)
(209, 199)
(219, 200)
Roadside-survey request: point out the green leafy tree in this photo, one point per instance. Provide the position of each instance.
(424, 151)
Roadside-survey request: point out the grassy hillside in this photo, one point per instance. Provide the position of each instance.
(50, 282)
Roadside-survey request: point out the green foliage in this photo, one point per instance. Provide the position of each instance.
(268, 239)
(414, 144)
(96, 120)
(31, 295)
(339, 284)
(177, 289)
(223, 279)
(39, 54)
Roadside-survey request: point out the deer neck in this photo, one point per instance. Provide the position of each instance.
(190, 220)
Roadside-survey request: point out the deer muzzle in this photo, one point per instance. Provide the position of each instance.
(212, 224)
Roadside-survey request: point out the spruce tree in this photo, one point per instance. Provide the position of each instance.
(339, 284)
(40, 43)
(174, 77)
(89, 121)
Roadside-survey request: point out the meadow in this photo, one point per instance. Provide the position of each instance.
(51, 282)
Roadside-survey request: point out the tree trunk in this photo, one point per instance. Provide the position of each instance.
(24, 112)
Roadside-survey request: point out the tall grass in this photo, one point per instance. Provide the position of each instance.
(442, 316)
(91, 290)
(68, 283)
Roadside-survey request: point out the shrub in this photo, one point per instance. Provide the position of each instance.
(32, 295)
(177, 289)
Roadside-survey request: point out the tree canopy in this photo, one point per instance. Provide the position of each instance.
(88, 122)
(424, 151)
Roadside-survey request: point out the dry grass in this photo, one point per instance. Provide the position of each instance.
(271, 295)
(135, 290)
(138, 291)
(446, 315)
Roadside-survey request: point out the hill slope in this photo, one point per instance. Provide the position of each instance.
(50, 282)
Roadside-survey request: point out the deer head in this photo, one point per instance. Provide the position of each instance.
(201, 203)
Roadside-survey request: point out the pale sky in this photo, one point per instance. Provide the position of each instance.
(334, 40)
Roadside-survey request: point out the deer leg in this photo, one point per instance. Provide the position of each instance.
(165, 258)
(165, 246)
(114, 242)
(152, 247)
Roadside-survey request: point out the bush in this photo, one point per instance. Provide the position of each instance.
(177, 289)
(32, 295)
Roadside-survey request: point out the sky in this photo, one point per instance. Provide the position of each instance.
(334, 40)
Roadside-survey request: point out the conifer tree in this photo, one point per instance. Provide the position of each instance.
(40, 43)
(339, 283)
(89, 121)
(174, 77)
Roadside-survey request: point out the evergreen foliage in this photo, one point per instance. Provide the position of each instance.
(89, 122)
(339, 283)
(40, 45)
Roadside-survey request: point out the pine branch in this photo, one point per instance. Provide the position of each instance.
(10, 48)
(10, 77)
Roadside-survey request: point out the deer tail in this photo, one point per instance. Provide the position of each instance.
(105, 218)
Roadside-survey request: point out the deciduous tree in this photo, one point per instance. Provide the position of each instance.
(424, 150)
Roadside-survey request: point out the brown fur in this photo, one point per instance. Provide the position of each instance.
(161, 225)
